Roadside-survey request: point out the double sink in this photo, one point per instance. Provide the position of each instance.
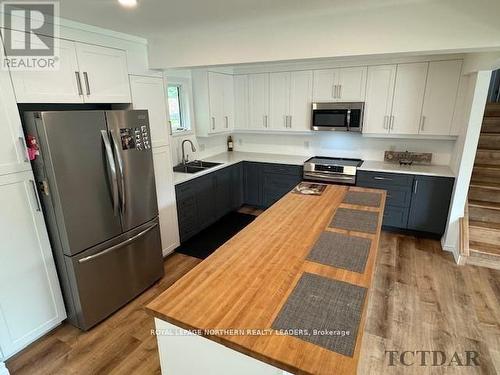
(195, 166)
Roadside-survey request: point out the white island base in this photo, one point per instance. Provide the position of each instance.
(184, 353)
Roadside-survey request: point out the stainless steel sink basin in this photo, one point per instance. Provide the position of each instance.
(195, 166)
(202, 164)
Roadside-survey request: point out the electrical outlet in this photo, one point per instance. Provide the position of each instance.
(306, 144)
(240, 141)
(202, 147)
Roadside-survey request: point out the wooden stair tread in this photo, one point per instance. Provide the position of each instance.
(484, 224)
(485, 185)
(484, 248)
(487, 166)
(481, 204)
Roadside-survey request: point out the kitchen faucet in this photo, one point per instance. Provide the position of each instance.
(184, 158)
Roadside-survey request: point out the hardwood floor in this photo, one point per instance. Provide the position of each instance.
(420, 300)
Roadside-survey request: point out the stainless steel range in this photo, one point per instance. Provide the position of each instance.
(333, 170)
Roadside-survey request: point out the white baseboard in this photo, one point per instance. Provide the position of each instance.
(3, 369)
(168, 250)
(452, 250)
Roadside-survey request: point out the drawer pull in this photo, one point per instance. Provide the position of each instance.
(382, 178)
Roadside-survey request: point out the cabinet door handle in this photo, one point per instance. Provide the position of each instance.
(226, 119)
(382, 178)
(24, 149)
(213, 122)
(79, 83)
(391, 123)
(334, 91)
(340, 92)
(415, 188)
(37, 198)
(290, 121)
(265, 121)
(87, 85)
(385, 121)
(422, 123)
(170, 127)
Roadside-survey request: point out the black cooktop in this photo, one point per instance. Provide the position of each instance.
(325, 160)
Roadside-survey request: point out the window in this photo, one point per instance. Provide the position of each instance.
(175, 107)
(179, 98)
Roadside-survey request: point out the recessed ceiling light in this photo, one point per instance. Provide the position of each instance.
(128, 3)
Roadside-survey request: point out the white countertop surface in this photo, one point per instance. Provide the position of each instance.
(428, 170)
(229, 158)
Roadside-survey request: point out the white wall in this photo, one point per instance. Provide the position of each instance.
(342, 145)
(334, 29)
(464, 155)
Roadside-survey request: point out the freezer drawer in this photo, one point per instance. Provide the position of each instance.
(106, 277)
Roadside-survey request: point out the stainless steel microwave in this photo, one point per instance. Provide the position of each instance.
(347, 116)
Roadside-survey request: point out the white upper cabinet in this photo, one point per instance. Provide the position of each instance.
(301, 100)
(149, 93)
(104, 74)
(290, 100)
(213, 95)
(408, 98)
(352, 84)
(86, 74)
(241, 101)
(216, 101)
(279, 100)
(35, 305)
(325, 85)
(51, 86)
(341, 84)
(258, 98)
(379, 96)
(13, 154)
(228, 102)
(440, 97)
(165, 194)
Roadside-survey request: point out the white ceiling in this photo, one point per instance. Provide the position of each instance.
(186, 33)
(154, 18)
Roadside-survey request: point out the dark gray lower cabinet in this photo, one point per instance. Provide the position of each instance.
(414, 202)
(252, 184)
(278, 180)
(266, 183)
(430, 204)
(205, 199)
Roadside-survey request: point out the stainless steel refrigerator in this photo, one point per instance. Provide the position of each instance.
(96, 182)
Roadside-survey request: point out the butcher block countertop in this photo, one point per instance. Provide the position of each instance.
(245, 283)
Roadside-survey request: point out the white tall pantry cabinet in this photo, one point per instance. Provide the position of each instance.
(30, 297)
(150, 93)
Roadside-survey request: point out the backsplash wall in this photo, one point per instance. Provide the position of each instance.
(341, 145)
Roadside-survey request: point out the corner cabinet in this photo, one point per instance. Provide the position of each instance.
(213, 95)
(149, 93)
(35, 305)
(87, 74)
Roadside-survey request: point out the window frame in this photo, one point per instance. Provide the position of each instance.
(185, 104)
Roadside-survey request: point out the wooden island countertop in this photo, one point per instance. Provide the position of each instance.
(245, 283)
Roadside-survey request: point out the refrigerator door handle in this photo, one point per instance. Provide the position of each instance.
(111, 165)
(118, 246)
(120, 169)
